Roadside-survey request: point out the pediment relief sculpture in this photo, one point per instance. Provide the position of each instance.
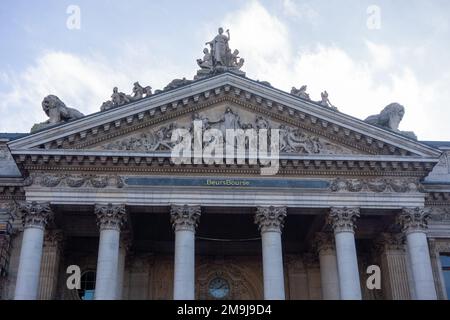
(390, 118)
(292, 140)
(57, 112)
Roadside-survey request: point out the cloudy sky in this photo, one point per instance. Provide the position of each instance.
(366, 54)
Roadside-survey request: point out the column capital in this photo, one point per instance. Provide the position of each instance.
(389, 241)
(110, 216)
(343, 219)
(323, 242)
(414, 219)
(270, 218)
(35, 214)
(53, 238)
(185, 217)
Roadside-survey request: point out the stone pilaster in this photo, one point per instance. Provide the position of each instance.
(184, 220)
(110, 219)
(35, 217)
(414, 222)
(50, 264)
(395, 282)
(270, 221)
(343, 221)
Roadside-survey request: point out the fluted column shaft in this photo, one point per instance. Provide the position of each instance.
(270, 221)
(184, 220)
(329, 276)
(35, 218)
(343, 222)
(110, 219)
(414, 223)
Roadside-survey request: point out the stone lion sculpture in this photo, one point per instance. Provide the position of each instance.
(57, 112)
(390, 118)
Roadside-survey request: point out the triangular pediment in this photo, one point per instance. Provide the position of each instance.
(221, 117)
(142, 126)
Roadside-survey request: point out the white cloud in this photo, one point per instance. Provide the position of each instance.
(359, 87)
(83, 82)
(355, 86)
(300, 10)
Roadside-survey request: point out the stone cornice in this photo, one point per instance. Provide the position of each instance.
(51, 159)
(305, 114)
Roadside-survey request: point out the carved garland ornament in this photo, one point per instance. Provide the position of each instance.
(185, 217)
(377, 185)
(270, 218)
(74, 180)
(110, 216)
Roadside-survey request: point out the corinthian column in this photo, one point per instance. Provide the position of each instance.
(184, 220)
(329, 277)
(110, 219)
(271, 221)
(35, 218)
(343, 222)
(414, 222)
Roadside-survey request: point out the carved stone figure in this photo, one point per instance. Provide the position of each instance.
(390, 118)
(301, 92)
(57, 112)
(219, 47)
(139, 91)
(176, 83)
(220, 58)
(119, 98)
(206, 62)
(292, 140)
(326, 101)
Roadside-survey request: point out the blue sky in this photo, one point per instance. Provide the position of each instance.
(324, 44)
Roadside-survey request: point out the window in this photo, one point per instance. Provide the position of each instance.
(445, 262)
(87, 284)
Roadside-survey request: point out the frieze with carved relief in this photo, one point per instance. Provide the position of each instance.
(377, 185)
(74, 180)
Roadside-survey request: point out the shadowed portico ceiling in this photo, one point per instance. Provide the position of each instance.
(77, 140)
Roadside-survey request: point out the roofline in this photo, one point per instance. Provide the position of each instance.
(198, 87)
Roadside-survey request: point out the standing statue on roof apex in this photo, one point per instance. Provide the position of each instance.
(219, 58)
(220, 48)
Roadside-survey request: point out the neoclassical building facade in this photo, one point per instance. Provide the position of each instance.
(103, 192)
